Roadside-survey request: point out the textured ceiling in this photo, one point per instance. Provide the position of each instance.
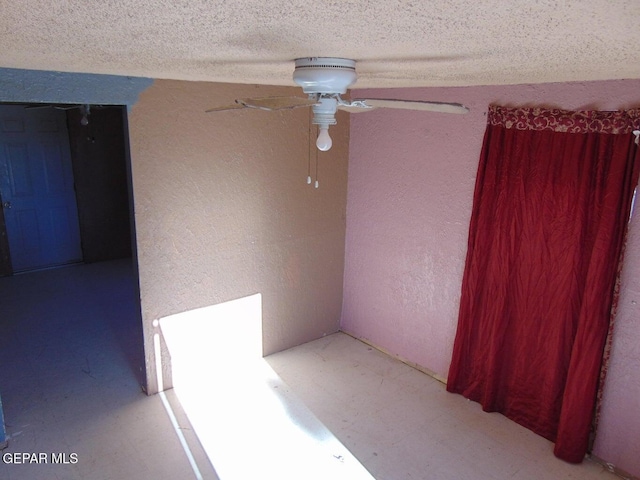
(396, 43)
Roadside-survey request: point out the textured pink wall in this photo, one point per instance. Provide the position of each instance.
(410, 190)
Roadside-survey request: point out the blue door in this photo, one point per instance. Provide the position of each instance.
(36, 185)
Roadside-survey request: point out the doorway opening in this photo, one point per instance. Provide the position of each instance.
(80, 155)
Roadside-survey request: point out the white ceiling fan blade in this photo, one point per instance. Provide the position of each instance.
(277, 103)
(442, 107)
(267, 103)
(235, 106)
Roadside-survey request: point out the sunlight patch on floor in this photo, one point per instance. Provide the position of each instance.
(248, 420)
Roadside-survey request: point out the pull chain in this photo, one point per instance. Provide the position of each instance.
(317, 184)
(309, 152)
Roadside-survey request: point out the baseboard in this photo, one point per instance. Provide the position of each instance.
(420, 368)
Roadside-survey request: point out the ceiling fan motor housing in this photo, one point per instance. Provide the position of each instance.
(325, 75)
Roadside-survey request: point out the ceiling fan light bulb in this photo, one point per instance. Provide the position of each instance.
(324, 141)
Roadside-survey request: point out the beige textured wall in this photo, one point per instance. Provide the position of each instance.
(223, 210)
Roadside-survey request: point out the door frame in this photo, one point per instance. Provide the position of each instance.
(40, 86)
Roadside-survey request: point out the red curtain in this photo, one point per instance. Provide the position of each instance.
(551, 204)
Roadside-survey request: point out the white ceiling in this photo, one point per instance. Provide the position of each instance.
(396, 43)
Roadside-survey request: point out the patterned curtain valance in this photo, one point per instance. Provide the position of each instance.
(556, 120)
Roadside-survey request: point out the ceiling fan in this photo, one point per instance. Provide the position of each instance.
(324, 80)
